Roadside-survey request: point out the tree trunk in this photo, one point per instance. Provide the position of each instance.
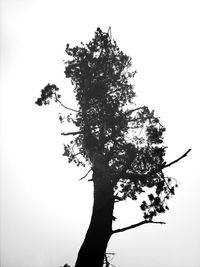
(93, 249)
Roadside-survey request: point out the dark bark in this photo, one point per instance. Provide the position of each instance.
(93, 249)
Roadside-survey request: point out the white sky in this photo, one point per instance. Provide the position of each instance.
(45, 210)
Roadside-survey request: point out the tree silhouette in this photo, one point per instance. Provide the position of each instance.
(122, 143)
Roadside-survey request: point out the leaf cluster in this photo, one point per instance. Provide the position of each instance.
(49, 92)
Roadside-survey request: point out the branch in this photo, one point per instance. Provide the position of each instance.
(85, 175)
(57, 100)
(132, 176)
(171, 163)
(134, 226)
(79, 153)
(117, 199)
(72, 133)
(132, 110)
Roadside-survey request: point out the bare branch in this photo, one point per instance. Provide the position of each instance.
(171, 163)
(153, 172)
(72, 133)
(167, 165)
(57, 100)
(134, 226)
(85, 175)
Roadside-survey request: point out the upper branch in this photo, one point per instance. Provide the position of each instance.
(174, 161)
(134, 226)
(167, 165)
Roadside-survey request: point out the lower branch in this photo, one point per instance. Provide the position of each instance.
(134, 226)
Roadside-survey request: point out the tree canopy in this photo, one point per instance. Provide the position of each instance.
(108, 122)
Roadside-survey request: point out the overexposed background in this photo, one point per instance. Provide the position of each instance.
(45, 210)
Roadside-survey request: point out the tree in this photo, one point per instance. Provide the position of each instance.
(122, 143)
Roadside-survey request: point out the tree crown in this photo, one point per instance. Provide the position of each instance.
(129, 138)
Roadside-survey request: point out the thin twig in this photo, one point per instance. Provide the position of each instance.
(85, 175)
(134, 226)
(57, 100)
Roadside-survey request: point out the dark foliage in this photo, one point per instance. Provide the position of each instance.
(130, 138)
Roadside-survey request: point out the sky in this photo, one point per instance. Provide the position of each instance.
(45, 210)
